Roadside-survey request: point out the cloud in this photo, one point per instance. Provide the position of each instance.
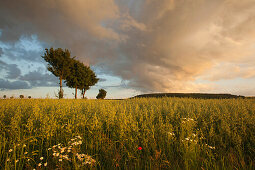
(38, 79)
(154, 45)
(12, 85)
(1, 51)
(12, 70)
(228, 71)
(28, 48)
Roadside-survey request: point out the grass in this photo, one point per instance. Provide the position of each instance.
(166, 133)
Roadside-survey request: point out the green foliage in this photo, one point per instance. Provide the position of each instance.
(174, 133)
(81, 77)
(59, 64)
(58, 61)
(76, 74)
(101, 94)
(91, 80)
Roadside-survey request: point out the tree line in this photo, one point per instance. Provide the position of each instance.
(75, 74)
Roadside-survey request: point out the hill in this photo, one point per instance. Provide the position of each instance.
(190, 95)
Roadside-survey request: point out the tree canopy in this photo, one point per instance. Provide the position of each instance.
(101, 94)
(74, 72)
(59, 64)
(91, 80)
(81, 77)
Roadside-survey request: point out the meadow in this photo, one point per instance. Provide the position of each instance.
(166, 133)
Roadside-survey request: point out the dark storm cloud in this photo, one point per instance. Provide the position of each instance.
(12, 70)
(1, 52)
(28, 49)
(13, 78)
(12, 85)
(155, 45)
(38, 79)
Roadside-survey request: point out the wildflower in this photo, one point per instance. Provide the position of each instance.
(139, 148)
(10, 150)
(40, 164)
(49, 149)
(60, 160)
(8, 160)
(45, 164)
(18, 144)
(65, 157)
(211, 147)
(24, 145)
(41, 158)
(25, 153)
(63, 150)
(55, 154)
(170, 133)
(17, 161)
(28, 160)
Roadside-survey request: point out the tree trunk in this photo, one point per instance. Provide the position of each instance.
(60, 90)
(75, 92)
(83, 93)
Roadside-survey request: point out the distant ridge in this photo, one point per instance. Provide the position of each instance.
(190, 95)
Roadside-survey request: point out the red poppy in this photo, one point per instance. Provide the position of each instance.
(139, 148)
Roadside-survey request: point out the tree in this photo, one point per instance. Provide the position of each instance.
(4, 96)
(101, 94)
(21, 96)
(81, 77)
(29, 97)
(59, 64)
(87, 82)
(72, 79)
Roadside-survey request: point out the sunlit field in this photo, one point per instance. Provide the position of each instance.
(167, 133)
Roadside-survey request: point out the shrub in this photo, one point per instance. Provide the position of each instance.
(101, 94)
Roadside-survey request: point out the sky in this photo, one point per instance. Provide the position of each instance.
(134, 46)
